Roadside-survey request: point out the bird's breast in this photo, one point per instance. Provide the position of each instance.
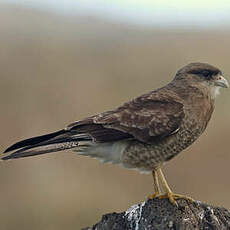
(148, 156)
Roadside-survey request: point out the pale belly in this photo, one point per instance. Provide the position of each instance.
(146, 157)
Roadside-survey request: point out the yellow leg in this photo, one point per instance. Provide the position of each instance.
(156, 185)
(169, 194)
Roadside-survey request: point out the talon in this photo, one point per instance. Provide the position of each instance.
(178, 196)
(152, 196)
(168, 192)
(173, 197)
(169, 196)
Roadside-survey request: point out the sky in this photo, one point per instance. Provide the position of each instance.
(204, 13)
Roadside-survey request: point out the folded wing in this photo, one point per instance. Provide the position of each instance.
(145, 119)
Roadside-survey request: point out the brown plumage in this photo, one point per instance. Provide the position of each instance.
(145, 132)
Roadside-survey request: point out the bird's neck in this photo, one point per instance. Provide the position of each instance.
(197, 98)
(188, 91)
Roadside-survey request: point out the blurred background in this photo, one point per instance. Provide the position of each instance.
(61, 61)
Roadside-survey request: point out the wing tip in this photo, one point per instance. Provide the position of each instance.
(33, 141)
(9, 149)
(13, 147)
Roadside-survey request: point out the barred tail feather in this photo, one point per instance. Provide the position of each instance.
(48, 143)
(33, 151)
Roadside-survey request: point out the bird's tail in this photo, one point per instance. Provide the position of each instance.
(53, 142)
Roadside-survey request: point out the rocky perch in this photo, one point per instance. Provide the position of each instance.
(162, 215)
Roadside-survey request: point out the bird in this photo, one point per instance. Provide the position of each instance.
(143, 133)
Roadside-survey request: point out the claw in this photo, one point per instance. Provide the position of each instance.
(169, 194)
(178, 196)
(173, 197)
(152, 196)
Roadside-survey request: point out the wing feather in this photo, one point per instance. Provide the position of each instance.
(145, 118)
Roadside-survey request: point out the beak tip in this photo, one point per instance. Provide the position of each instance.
(222, 82)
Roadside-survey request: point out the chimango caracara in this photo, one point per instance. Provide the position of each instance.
(143, 133)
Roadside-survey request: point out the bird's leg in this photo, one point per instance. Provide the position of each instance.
(155, 184)
(169, 194)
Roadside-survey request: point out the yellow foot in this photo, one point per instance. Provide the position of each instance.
(173, 197)
(154, 195)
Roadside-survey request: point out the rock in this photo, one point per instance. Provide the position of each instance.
(162, 215)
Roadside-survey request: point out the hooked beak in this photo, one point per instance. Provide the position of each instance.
(221, 82)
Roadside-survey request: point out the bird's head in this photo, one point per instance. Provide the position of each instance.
(203, 74)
